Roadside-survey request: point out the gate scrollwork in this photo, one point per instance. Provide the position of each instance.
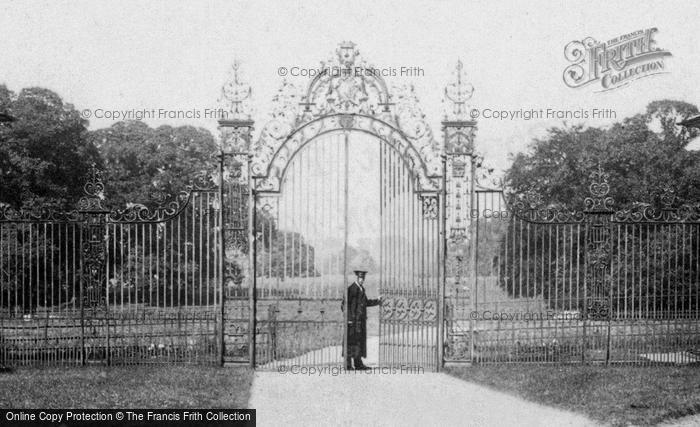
(342, 99)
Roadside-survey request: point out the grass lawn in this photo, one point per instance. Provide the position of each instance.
(151, 386)
(617, 395)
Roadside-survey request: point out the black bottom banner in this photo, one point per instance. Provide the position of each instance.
(127, 417)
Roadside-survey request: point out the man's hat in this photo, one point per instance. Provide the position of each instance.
(360, 273)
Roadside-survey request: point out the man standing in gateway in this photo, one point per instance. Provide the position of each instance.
(357, 322)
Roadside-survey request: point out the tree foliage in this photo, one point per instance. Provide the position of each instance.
(44, 152)
(642, 154)
(139, 160)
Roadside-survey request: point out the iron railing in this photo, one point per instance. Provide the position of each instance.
(595, 285)
(94, 285)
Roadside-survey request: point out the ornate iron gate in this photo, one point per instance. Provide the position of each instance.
(410, 269)
(301, 181)
(301, 252)
(303, 259)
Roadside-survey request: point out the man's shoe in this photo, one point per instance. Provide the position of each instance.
(349, 368)
(362, 368)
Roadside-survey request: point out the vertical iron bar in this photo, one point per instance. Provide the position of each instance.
(84, 223)
(443, 265)
(345, 245)
(608, 282)
(252, 254)
(222, 261)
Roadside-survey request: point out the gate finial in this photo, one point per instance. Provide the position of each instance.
(235, 96)
(667, 197)
(458, 125)
(598, 201)
(236, 124)
(93, 190)
(457, 94)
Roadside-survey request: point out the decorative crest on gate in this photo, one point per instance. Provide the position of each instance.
(346, 84)
(347, 94)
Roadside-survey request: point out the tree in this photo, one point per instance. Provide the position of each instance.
(286, 254)
(140, 160)
(44, 153)
(642, 153)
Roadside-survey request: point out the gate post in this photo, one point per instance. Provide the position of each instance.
(94, 249)
(598, 252)
(459, 189)
(236, 220)
(236, 129)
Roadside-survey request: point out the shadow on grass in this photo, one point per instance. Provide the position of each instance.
(617, 395)
(153, 386)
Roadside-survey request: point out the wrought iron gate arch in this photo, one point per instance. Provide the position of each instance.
(268, 173)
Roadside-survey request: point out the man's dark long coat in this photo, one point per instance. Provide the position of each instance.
(357, 320)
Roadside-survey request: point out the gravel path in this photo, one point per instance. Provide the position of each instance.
(409, 399)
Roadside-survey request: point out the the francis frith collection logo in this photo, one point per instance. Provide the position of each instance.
(616, 62)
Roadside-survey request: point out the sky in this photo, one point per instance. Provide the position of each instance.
(176, 55)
